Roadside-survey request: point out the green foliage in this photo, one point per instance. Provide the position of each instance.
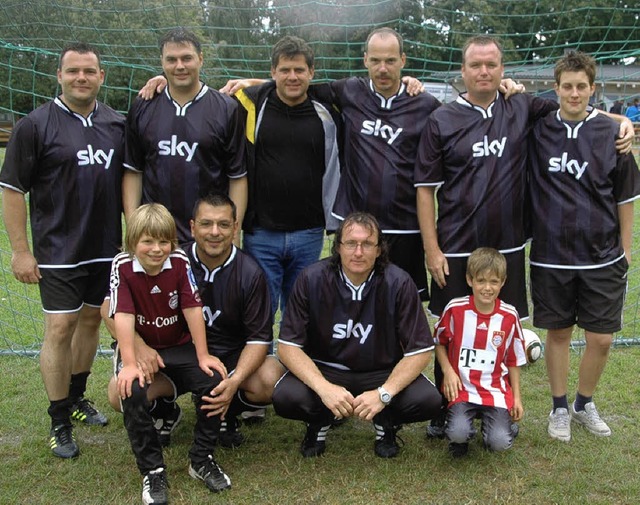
(238, 36)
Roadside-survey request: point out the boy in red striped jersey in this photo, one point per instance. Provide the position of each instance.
(480, 349)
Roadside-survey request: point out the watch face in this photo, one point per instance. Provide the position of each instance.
(386, 398)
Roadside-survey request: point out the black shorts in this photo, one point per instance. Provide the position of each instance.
(405, 251)
(68, 289)
(513, 292)
(591, 298)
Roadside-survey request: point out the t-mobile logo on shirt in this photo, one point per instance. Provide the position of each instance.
(487, 148)
(91, 156)
(377, 129)
(351, 329)
(174, 148)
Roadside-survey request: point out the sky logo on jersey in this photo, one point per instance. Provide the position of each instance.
(174, 148)
(377, 129)
(348, 330)
(564, 164)
(485, 148)
(89, 156)
(210, 317)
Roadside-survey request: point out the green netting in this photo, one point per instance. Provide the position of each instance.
(238, 35)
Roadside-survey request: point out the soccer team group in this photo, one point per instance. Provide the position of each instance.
(287, 161)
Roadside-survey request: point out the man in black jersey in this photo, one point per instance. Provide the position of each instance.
(186, 142)
(582, 196)
(68, 156)
(355, 340)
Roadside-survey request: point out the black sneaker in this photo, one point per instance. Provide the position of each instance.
(84, 411)
(313, 443)
(154, 487)
(458, 450)
(515, 430)
(386, 444)
(229, 436)
(212, 475)
(435, 429)
(164, 427)
(62, 442)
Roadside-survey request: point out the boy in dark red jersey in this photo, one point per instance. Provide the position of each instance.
(480, 349)
(154, 295)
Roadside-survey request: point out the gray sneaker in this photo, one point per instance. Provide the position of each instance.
(560, 425)
(590, 419)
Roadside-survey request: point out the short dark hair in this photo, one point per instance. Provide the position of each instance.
(289, 47)
(79, 47)
(482, 40)
(369, 222)
(216, 199)
(180, 36)
(385, 31)
(576, 61)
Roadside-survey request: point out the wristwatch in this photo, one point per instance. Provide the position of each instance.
(385, 396)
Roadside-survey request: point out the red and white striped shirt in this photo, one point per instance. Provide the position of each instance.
(480, 348)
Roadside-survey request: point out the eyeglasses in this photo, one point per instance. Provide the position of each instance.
(352, 245)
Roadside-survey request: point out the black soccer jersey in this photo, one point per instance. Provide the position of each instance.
(380, 141)
(71, 167)
(577, 182)
(185, 152)
(236, 303)
(477, 157)
(365, 328)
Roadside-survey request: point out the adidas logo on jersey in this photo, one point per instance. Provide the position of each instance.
(155, 290)
(348, 330)
(564, 164)
(377, 129)
(174, 148)
(485, 148)
(89, 156)
(482, 326)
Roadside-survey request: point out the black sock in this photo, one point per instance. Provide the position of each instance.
(560, 402)
(60, 412)
(78, 385)
(581, 401)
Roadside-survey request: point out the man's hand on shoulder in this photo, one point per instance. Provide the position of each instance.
(414, 86)
(234, 85)
(154, 86)
(510, 87)
(627, 134)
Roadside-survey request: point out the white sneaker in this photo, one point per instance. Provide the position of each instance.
(590, 419)
(560, 425)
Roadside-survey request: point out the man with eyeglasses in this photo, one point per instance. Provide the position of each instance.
(355, 340)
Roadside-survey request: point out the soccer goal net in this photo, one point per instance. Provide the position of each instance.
(238, 35)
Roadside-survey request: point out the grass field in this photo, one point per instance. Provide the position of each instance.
(269, 469)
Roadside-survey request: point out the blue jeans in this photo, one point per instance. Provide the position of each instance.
(282, 256)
